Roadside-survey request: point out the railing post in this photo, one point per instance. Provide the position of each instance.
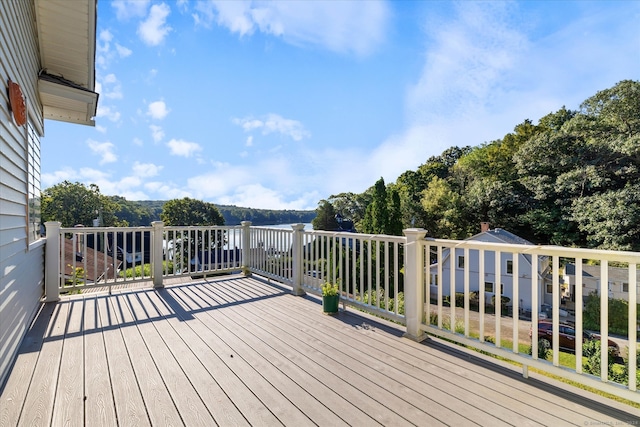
(52, 262)
(297, 259)
(246, 247)
(157, 235)
(413, 285)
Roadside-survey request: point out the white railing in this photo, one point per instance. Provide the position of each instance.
(367, 268)
(271, 253)
(103, 257)
(467, 288)
(475, 293)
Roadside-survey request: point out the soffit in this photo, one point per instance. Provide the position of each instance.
(66, 39)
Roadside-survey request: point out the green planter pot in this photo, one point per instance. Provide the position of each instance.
(330, 303)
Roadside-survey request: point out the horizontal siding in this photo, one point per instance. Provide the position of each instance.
(21, 289)
(21, 267)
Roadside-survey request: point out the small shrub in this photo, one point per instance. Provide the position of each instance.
(330, 289)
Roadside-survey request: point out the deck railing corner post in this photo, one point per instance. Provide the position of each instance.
(297, 270)
(246, 247)
(52, 262)
(157, 237)
(414, 283)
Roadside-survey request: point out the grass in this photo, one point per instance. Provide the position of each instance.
(565, 359)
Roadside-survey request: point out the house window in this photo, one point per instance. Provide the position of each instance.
(33, 184)
(488, 286)
(509, 266)
(549, 288)
(461, 261)
(625, 287)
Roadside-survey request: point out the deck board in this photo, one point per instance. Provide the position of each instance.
(42, 389)
(68, 409)
(208, 390)
(157, 399)
(17, 384)
(128, 401)
(99, 403)
(242, 351)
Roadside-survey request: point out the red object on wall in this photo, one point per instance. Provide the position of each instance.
(18, 107)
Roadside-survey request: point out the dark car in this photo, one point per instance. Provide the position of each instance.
(567, 337)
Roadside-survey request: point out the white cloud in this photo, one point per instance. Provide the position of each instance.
(179, 147)
(468, 61)
(109, 112)
(123, 52)
(153, 30)
(104, 53)
(249, 142)
(355, 26)
(157, 110)
(105, 36)
(126, 9)
(145, 170)
(110, 87)
(104, 150)
(65, 174)
(138, 142)
(273, 123)
(156, 133)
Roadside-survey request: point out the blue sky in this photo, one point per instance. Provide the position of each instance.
(277, 105)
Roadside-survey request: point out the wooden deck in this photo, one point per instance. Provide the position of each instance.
(240, 351)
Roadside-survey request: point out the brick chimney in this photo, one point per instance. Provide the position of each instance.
(484, 226)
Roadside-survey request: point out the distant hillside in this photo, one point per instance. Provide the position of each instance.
(233, 215)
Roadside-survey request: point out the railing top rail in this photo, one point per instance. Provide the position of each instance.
(545, 250)
(101, 229)
(201, 227)
(361, 236)
(259, 227)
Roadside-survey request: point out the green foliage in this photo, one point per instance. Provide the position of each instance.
(446, 323)
(325, 217)
(234, 215)
(618, 314)
(188, 211)
(145, 270)
(379, 299)
(132, 214)
(74, 203)
(544, 350)
(330, 289)
(376, 218)
(573, 179)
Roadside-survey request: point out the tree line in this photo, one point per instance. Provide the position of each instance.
(572, 179)
(75, 203)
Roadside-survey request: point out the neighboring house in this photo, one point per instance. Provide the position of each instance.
(47, 68)
(217, 259)
(491, 277)
(617, 283)
(96, 266)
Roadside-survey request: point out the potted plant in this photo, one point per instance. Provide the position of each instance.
(330, 297)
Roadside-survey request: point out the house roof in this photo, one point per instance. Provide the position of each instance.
(500, 235)
(570, 269)
(91, 261)
(67, 44)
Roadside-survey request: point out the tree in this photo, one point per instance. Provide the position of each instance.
(443, 210)
(325, 217)
(188, 211)
(376, 218)
(131, 214)
(73, 204)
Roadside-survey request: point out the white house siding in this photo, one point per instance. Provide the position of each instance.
(525, 282)
(21, 264)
